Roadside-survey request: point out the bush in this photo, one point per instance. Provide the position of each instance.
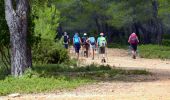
(166, 42)
(166, 36)
(47, 52)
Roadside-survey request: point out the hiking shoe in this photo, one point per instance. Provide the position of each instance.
(134, 57)
(104, 60)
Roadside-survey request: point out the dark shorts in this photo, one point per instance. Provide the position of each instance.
(102, 50)
(77, 47)
(66, 46)
(134, 47)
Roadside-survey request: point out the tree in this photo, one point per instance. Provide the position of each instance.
(16, 14)
(4, 40)
(148, 18)
(138, 16)
(46, 23)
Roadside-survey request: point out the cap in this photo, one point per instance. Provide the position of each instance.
(85, 33)
(102, 34)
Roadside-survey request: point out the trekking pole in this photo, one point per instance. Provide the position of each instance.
(138, 52)
(81, 51)
(106, 54)
(98, 51)
(129, 50)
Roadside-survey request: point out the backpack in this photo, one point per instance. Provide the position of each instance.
(133, 40)
(76, 40)
(65, 38)
(92, 40)
(84, 40)
(102, 42)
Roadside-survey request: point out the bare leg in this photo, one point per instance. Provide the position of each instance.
(103, 58)
(77, 56)
(87, 54)
(92, 53)
(133, 54)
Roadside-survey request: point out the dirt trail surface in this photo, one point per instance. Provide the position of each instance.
(156, 87)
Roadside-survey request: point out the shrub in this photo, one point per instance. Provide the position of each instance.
(47, 51)
(166, 36)
(166, 42)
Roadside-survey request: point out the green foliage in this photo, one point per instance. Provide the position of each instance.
(91, 71)
(48, 51)
(4, 32)
(166, 36)
(119, 16)
(166, 42)
(4, 40)
(49, 78)
(164, 12)
(154, 51)
(44, 49)
(115, 17)
(80, 15)
(125, 13)
(38, 85)
(46, 23)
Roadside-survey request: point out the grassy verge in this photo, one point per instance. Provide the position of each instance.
(49, 78)
(147, 51)
(39, 84)
(154, 51)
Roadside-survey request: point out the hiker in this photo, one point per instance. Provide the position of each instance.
(91, 40)
(85, 45)
(133, 41)
(101, 44)
(66, 40)
(77, 44)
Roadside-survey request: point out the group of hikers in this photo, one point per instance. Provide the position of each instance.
(86, 43)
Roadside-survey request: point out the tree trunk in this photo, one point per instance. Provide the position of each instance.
(158, 23)
(98, 25)
(145, 34)
(18, 27)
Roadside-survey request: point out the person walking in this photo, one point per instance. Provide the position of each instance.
(85, 45)
(101, 44)
(66, 40)
(91, 40)
(77, 44)
(133, 41)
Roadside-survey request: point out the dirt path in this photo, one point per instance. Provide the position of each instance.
(120, 58)
(157, 89)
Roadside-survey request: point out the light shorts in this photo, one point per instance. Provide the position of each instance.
(92, 46)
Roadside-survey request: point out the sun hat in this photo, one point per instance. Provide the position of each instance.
(85, 33)
(101, 34)
(133, 34)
